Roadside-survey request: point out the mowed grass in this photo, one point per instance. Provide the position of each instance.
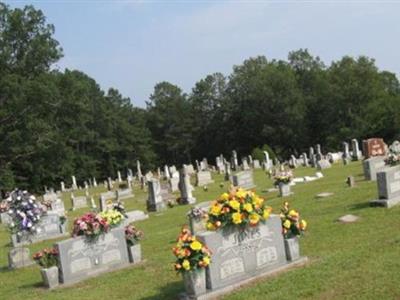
(347, 261)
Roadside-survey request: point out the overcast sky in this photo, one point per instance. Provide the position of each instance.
(132, 45)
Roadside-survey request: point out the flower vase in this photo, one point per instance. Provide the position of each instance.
(135, 253)
(50, 277)
(292, 248)
(284, 189)
(195, 282)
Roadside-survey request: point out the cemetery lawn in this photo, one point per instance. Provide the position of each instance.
(353, 261)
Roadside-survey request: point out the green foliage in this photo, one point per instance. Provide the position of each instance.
(57, 124)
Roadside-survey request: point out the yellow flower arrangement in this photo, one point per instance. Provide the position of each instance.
(237, 208)
(292, 224)
(112, 216)
(191, 254)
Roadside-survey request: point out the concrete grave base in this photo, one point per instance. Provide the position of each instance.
(388, 203)
(222, 291)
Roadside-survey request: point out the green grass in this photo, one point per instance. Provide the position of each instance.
(347, 261)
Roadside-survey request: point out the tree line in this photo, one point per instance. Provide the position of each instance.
(54, 124)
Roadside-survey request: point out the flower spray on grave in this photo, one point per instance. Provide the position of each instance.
(25, 213)
(133, 235)
(192, 257)
(90, 225)
(292, 224)
(393, 158)
(292, 227)
(283, 177)
(237, 208)
(46, 258)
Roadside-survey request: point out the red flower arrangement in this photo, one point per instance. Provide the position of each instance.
(90, 225)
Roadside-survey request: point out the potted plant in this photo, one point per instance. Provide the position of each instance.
(192, 257)
(47, 259)
(133, 236)
(282, 180)
(292, 227)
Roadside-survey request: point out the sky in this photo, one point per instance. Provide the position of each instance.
(133, 45)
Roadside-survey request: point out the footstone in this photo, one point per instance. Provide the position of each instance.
(348, 219)
(298, 180)
(19, 257)
(134, 216)
(324, 195)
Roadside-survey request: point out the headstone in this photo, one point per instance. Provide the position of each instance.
(186, 188)
(324, 195)
(166, 194)
(58, 207)
(227, 167)
(107, 200)
(166, 172)
(74, 185)
(373, 147)
(124, 194)
(155, 201)
(94, 182)
(373, 165)
(78, 202)
(319, 153)
(346, 153)
(119, 177)
(304, 159)
(355, 150)
(312, 157)
(256, 164)
(109, 184)
(79, 259)
(388, 180)
(62, 186)
(5, 218)
(244, 180)
(50, 227)
(267, 161)
(238, 255)
(203, 178)
(93, 203)
(204, 165)
(138, 170)
(348, 219)
(293, 161)
(323, 164)
(134, 216)
(234, 161)
(350, 181)
(173, 183)
(19, 257)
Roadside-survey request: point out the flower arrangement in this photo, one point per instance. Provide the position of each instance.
(90, 225)
(393, 157)
(133, 235)
(283, 177)
(292, 224)
(237, 208)
(4, 206)
(197, 213)
(24, 211)
(191, 254)
(46, 258)
(113, 217)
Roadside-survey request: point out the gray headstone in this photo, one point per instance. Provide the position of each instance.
(348, 219)
(155, 201)
(203, 178)
(238, 255)
(373, 165)
(79, 259)
(243, 179)
(19, 257)
(388, 181)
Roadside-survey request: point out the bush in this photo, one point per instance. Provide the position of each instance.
(258, 153)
